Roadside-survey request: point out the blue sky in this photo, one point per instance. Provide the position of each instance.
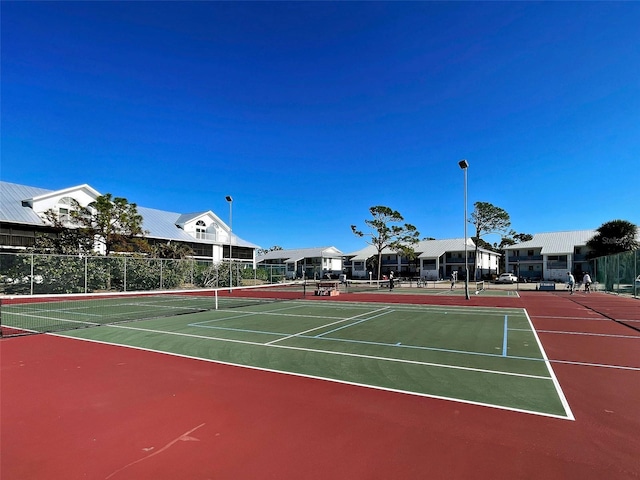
(310, 113)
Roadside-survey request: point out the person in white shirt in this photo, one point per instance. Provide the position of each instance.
(571, 283)
(586, 281)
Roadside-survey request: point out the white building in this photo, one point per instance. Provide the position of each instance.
(22, 216)
(306, 262)
(435, 259)
(549, 256)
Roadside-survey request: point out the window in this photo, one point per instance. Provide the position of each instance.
(429, 264)
(65, 206)
(201, 229)
(557, 261)
(63, 214)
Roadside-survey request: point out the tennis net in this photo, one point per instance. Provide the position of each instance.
(25, 314)
(354, 286)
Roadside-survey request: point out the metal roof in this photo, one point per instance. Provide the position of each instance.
(158, 223)
(161, 224)
(295, 255)
(187, 217)
(12, 208)
(556, 242)
(424, 249)
(437, 248)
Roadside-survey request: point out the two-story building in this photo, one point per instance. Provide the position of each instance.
(549, 256)
(305, 262)
(434, 260)
(22, 217)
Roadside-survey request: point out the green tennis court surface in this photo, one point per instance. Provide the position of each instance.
(486, 356)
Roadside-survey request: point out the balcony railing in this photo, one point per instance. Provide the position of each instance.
(457, 260)
(557, 265)
(206, 236)
(395, 262)
(525, 258)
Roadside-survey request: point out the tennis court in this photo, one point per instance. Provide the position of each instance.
(449, 352)
(543, 385)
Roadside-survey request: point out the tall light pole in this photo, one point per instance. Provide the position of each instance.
(230, 200)
(464, 165)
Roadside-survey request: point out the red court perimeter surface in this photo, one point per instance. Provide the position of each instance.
(72, 409)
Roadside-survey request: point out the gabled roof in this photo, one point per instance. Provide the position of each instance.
(92, 192)
(15, 201)
(365, 253)
(437, 248)
(295, 255)
(188, 217)
(424, 249)
(162, 225)
(556, 242)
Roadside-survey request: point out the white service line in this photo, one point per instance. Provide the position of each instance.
(324, 326)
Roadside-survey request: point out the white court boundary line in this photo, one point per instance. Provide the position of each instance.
(328, 325)
(556, 383)
(316, 377)
(330, 352)
(552, 377)
(590, 334)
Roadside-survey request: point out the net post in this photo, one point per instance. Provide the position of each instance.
(216, 296)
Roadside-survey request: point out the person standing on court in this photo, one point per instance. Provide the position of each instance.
(586, 281)
(391, 280)
(571, 283)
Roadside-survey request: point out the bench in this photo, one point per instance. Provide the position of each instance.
(329, 289)
(547, 286)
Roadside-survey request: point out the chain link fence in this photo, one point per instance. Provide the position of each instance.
(30, 274)
(619, 273)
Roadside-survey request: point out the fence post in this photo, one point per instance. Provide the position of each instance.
(636, 283)
(31, 283)
(617, 264)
